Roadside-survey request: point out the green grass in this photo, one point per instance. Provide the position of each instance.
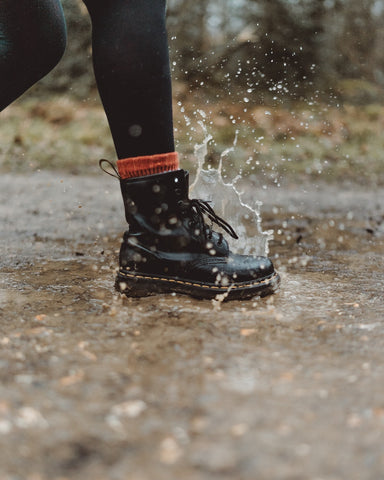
(56, 134)
(275, 144)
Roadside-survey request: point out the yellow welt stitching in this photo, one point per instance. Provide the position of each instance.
(213, 287)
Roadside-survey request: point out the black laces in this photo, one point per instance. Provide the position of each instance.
(201, 207)
(198, 208)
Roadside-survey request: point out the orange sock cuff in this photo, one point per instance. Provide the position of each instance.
(147, 165)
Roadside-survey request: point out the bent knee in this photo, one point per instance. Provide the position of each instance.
(34, 33)
(54, 53)
(49, 44)
(38, 54)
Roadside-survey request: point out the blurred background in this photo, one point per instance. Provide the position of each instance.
(297, 85)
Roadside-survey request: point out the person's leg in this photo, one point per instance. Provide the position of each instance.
(168, 247)
(131, 62)
(32, 41)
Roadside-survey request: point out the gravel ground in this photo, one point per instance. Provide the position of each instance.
(96, 386)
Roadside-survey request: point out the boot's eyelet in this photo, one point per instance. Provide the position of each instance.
(178, 191)
(182, 207)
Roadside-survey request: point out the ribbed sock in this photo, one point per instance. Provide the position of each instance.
(147, 165)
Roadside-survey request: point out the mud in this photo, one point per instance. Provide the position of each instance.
(94, 386)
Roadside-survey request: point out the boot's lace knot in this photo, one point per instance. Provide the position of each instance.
(198, 209)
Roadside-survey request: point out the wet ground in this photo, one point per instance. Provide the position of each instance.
(94, 386)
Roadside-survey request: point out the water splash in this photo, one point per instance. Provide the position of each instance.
(228, 202)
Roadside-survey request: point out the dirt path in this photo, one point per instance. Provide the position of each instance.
(98, 387)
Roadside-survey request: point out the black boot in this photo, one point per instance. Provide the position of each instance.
(169, 247)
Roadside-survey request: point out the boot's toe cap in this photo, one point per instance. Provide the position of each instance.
(243, 268)
(233, 268)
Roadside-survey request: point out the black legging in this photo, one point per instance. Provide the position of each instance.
(130, 54)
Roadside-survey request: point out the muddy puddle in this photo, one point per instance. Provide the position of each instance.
(95, 386)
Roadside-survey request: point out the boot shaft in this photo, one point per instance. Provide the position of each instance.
(154, 198)
(162, 217)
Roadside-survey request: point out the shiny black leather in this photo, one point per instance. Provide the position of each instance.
(169, 242)
(156, 209)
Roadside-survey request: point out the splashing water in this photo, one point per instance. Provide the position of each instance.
(228, 202)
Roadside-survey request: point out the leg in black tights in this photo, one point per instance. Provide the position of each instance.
(130, 53)
(32, 41)
(168, 247)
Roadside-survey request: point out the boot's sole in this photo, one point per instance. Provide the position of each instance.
(134, 284)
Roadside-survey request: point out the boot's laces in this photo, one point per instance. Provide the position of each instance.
(196, 206)
(201, 207)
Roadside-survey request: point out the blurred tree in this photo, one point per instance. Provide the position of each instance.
(271, 44)
(187, 26)
(353, 55)
(282, 48)
(355, 38)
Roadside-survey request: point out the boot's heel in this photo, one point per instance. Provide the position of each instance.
(133, 286)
